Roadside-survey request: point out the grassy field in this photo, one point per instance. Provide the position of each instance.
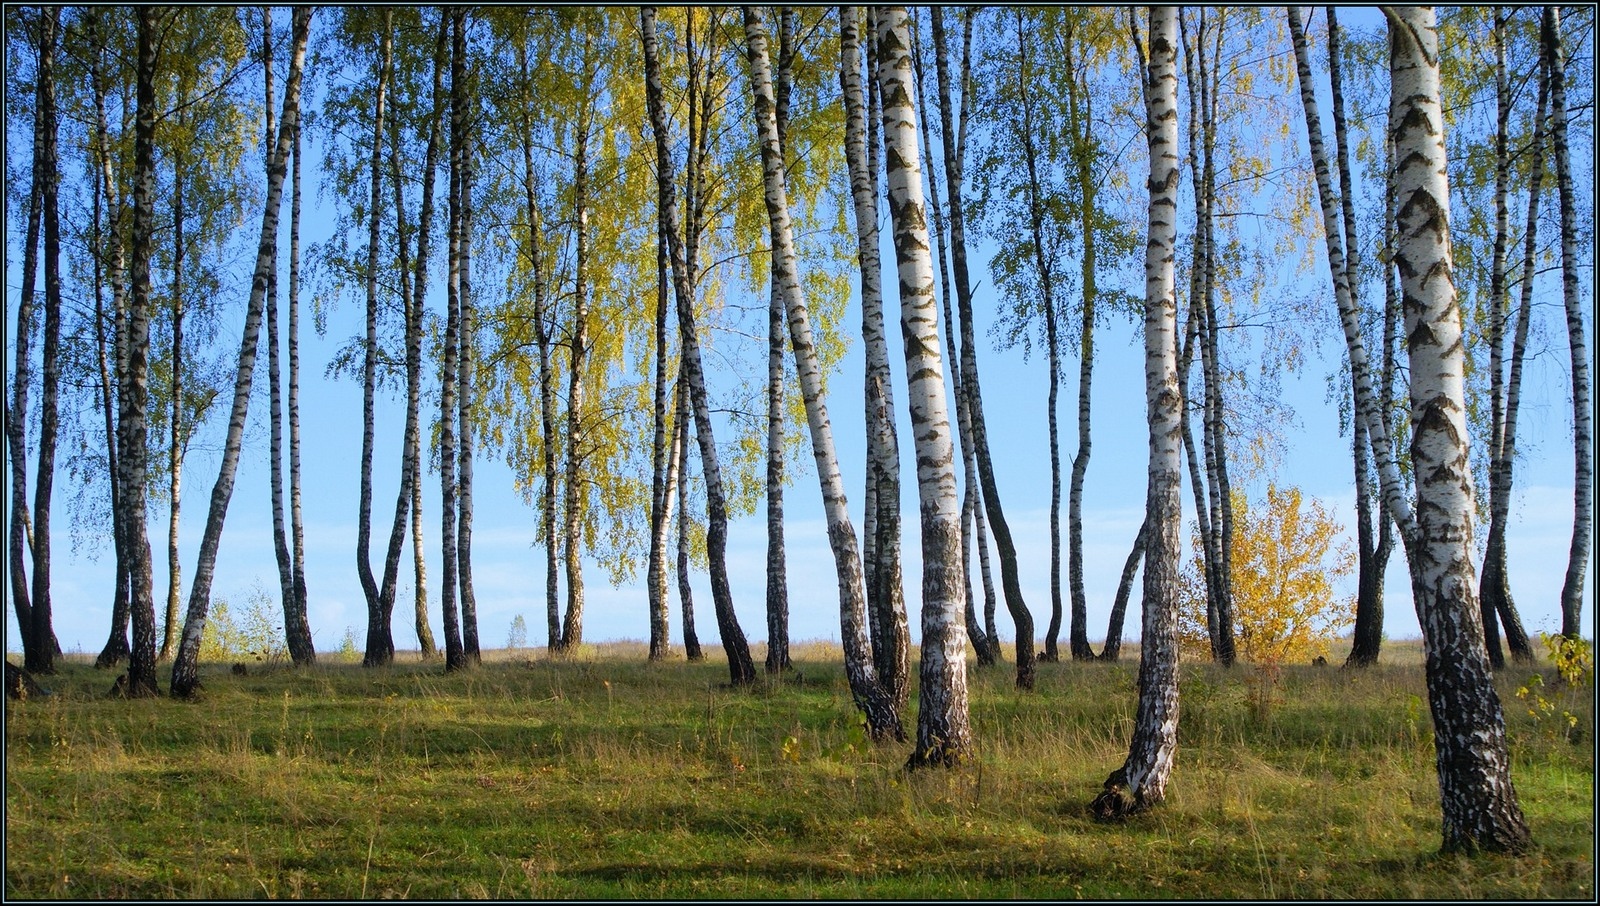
(602, 776)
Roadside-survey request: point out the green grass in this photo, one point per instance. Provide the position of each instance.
(602, 776)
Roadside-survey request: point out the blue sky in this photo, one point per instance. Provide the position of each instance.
(508, 567)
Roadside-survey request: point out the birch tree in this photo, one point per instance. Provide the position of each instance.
(380, 599)
(891, 643)
(870, 696)
(1009, 578)
(777, 572)
(185, 678)
(740, 667)
(1494, 589)
(1577, 345)
(1494, 584)
(944, 733)
(985, 640)
(134, 401)
(17, 567)
(1478, 801)
(1142, 780)
(39, 656)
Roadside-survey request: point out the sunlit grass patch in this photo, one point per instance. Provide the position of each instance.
(601, 775)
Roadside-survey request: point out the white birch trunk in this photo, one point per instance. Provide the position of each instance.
(1142, 780)
(1478, 800)
(882, 718)
(185, 678)
(944, 734)
(1572, 294)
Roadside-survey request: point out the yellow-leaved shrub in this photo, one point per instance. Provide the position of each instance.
(1288, 553)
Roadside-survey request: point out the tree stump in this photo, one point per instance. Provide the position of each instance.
(20, 684)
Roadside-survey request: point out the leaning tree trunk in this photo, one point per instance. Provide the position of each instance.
(891, 641)
(883, 719)
(39, 658)
(1119, 607)
(1494, 589)
(185, 676)
(1571, 291)
(1142, 780)
(1478, 800)
(680, 456)
(1009, 579)
(944, 732)
(1369, 574)
(740, 667)
(1494, 580)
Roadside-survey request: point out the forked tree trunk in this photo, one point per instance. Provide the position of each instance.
(185, 676)
(380, 638)
(1141, 782)
(1083, 148)
(17, 415)
(944, 732)
(280, 539)
(40, 657)
(741, 668)
(883, 719)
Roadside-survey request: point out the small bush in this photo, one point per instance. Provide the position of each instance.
(255, 633)
(1286, 559)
